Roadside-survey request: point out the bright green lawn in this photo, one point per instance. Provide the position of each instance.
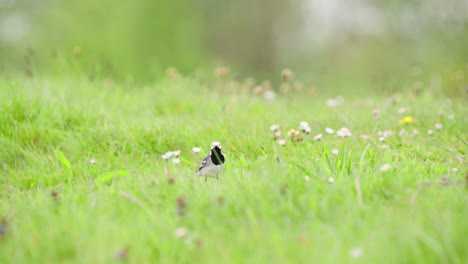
(58, 207)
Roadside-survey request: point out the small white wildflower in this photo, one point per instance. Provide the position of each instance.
(429, 132)
(318, 137)
(343, 132)
(181, 232)
(303, 124)
(176, 153)
(176, 160)
(306, 178)
(415, 131)
(329, 130)
(167, 155)
(386, 133)
(277, 134)
(455, 170)
(385, 167)
(274, 127)
(401, 110)
(365, 137)
(438, 126)
(92, 161)
(335, 151)
(384, 146)
(356, 252)
(196, 150)
(282, 142)
(381, 139)
(307, 130)
(269, 95)
(331, 180)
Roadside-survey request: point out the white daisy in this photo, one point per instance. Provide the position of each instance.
(196, 150)
(181, 232)
(318, 137)
(356, 252)
(282, 141)
(274, 127)
(343, 132)
(167, 155)
(385, 167)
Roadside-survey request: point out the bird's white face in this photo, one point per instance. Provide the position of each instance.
(215, 144)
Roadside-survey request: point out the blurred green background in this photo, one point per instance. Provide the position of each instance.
(335, 43)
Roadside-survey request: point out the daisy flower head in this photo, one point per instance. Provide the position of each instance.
(196, 150)
(304, 127)
(386, 133)
(303, 124)
(356, 252)
(401, 110)
(176, 160)
(331, 180)
(335, 151)
(365, 137)
(166, 155)
(343, 132)
(438, 126)
(274, 127)
(430, 132)
(282, 141)
(181, 232)
(318, 137)
(277, 135)
(385, 167)
(329, 130)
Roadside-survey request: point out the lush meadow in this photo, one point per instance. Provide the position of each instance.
(365, 178)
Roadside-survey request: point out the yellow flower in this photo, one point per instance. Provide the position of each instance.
(407, 120)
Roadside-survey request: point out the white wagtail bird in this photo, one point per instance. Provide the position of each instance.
(212, 164)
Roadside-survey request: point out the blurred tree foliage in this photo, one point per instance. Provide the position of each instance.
(139, 39)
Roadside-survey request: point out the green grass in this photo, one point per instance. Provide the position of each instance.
(57, 206)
